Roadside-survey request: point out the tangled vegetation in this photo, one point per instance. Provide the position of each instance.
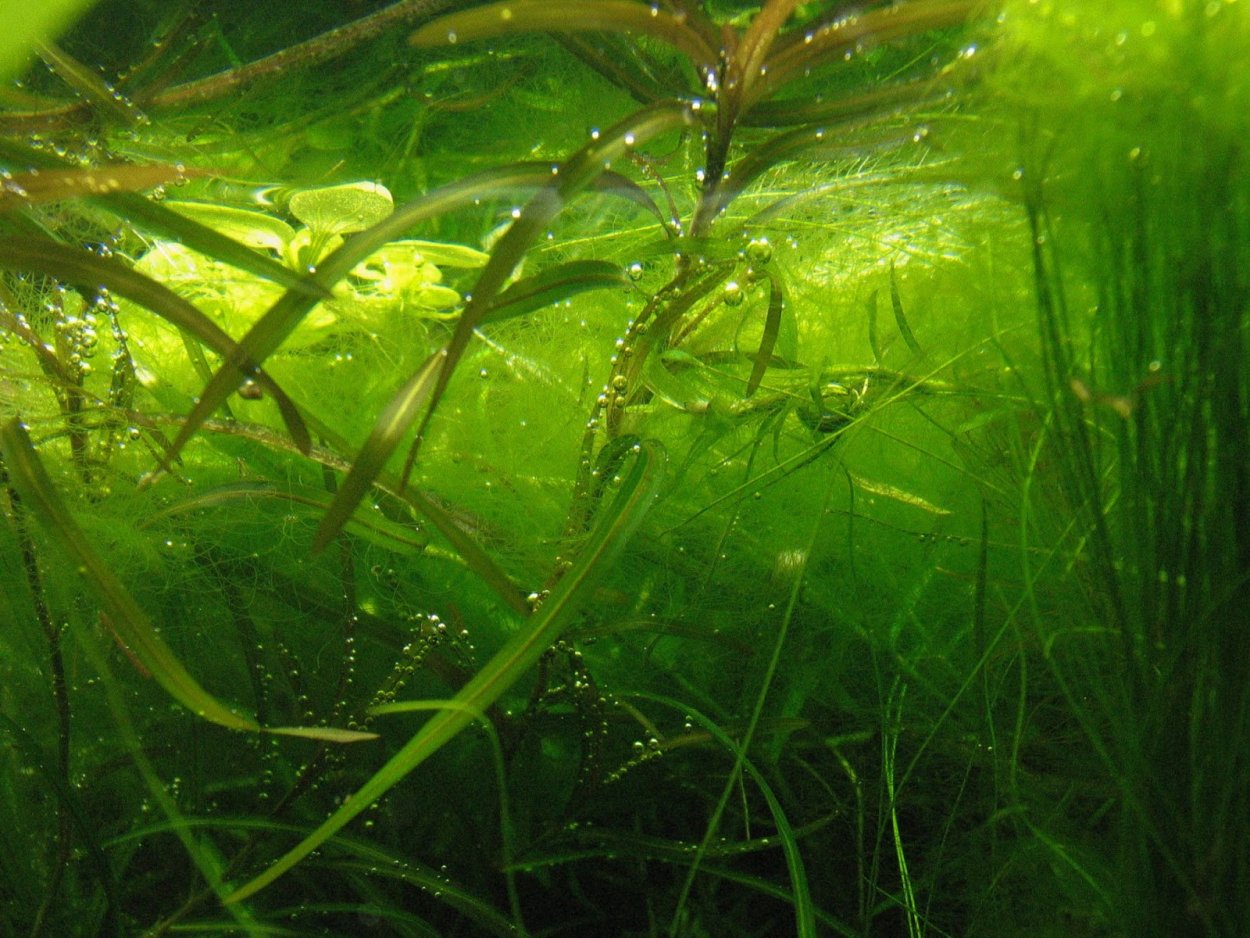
(604, 467)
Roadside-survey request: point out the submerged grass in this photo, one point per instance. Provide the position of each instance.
(783, 614)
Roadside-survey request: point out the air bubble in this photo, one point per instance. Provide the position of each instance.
(759, 251)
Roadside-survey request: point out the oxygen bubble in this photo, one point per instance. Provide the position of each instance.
(634, 271)
(759, 251)
(733, 294)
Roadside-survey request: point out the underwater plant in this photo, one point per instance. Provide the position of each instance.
(612, 467)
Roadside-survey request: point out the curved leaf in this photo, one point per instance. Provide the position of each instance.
(153, 217)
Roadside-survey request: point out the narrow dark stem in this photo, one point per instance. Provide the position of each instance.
(326, 46)
(321, 48)
(60, 695)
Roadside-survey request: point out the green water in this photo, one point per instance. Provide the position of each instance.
(712, 471)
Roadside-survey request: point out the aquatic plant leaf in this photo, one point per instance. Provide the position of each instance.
(746, 66)
(128, 621)
(443, 255)
(54, 185)
(153, 217)
(616, 524)
(570, 16)
(553, 285)
(398, 415)
(342, 209)
(469, 550)
(377, 530)
(104, 99)
(896, 303)
(788, 113)
(82, 267)
(799, 51)
(327, 734)
(255, 229)
(768, 341)
(894, 493)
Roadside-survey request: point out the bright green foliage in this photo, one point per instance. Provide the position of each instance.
(755, 468)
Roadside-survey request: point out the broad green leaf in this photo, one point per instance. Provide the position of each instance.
(255, 229)
(342, 209)
(616, 524)
(275, 325)
(153, 217)
(442, 255)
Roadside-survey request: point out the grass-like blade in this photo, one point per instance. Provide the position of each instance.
(128, 620)
(570, 16)
(399, 414)
(55, 185)
(618, 521)
(799, 51)
(768, 341)
(896, 303)
(73, 265)
(87, 82)
(553, 285)
(870, 308)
